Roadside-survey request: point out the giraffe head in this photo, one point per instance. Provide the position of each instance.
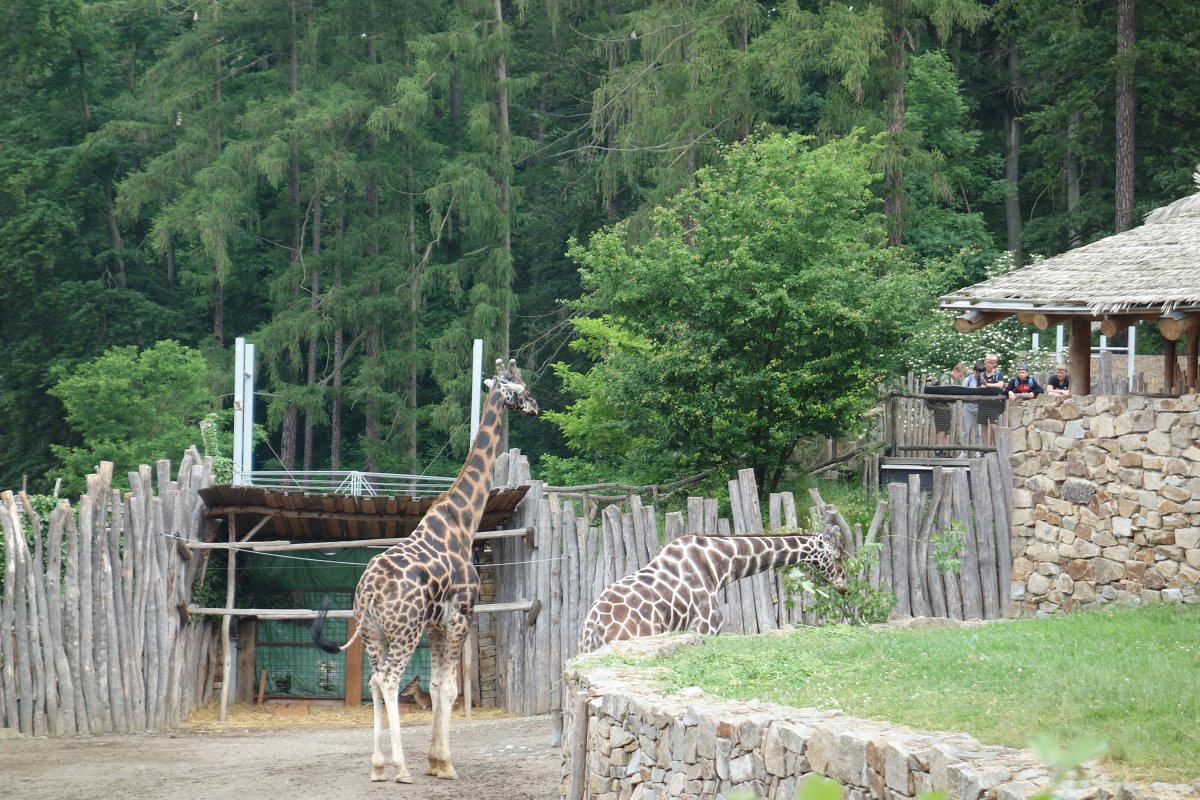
(511, 385)
(827, 558)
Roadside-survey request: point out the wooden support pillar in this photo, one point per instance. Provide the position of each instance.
(226, 621)
(1169, 366)
(354, 656)
(1192, 352)
(1080, 350)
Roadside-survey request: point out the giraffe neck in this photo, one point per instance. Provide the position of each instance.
(456, 514)
(736, 557)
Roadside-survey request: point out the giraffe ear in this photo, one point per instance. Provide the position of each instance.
(488, 383)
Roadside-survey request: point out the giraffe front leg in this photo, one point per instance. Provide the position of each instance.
(443, 690)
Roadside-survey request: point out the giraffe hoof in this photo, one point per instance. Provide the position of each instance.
(378, 775)
(403, 777)
(441, 769)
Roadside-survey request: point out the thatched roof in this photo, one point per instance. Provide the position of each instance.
(1151, 268)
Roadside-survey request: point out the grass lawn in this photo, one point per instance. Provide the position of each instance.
(1128, 676)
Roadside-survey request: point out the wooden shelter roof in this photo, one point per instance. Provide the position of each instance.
(311, 517)
(1154, 268)
(1151, 272)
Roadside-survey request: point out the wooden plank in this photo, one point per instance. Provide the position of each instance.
(954, 515)
(761, 584)
(354, 667)
(18, 679)
(972, 596)
(226, 645)
(616, 543)
(547, 647)
(695, 515)
(898, 496)
(673, 525)
(632, 548)
(988, 570)
(934, 587)
(916, 595)
(67, 684)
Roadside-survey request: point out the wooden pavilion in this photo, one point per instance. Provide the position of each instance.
(1149, 273)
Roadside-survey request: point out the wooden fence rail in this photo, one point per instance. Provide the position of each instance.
(92, 638)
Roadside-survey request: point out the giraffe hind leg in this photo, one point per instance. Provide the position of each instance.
(443, 689)
(385, 684)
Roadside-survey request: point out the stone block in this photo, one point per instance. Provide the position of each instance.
(1078, 491)
(1159, 443)
(1084, 592)
(1107, 571)
(1131, 459)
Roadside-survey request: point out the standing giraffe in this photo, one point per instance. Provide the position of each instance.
(428, 583)
(677, 590)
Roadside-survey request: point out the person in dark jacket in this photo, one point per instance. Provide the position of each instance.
(1024, 386)
(1059, 385)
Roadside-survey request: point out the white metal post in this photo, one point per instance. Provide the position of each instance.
(243, 412)
(1131, 354)
(476, 381)
(1058, 345)
(239, 408)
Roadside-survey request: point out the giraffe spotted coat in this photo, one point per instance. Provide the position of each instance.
(677, 590)
(427, 583)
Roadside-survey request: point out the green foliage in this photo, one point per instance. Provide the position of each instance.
(1067, 762)
(131, 408)
(946, 548)
(862, 603)
(759, 310)
(215, 443)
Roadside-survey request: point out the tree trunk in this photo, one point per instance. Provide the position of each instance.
(1071, 168)
(314, 305)
(335, 410)
(893, 204)
(1012, 164)
(1125, 111)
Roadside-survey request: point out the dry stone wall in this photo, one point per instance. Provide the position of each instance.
(626, 740)
(1106, 501)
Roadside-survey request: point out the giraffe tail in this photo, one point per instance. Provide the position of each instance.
(319, 623)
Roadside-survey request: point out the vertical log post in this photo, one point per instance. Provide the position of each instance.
(226, 647)
(1080, 350)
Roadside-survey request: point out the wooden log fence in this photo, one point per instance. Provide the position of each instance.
(92, 632)
(575, 558)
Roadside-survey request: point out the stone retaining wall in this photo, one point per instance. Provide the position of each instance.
(1106, 501)
(624, 740)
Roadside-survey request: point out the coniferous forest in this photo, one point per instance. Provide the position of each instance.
(687, 221)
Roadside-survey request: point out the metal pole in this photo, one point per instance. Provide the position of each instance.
(476, 381)
(239, 409)
(247, 378)
(1058, 345)
(1130, 355)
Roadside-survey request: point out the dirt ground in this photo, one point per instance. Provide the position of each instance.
(324, 757)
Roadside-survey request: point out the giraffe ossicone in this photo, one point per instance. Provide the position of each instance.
(427, 583)
(677, 590)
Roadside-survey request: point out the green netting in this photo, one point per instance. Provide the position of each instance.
(284, 648)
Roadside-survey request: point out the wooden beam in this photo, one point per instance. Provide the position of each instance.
(1177, 323)
(280, 545)
(1114, 324)
(1080, 349)
(974, 320)
(306, 613)
(1040, 319)
(272, 511)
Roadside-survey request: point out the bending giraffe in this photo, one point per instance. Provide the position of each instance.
(677, 590)
(428, 583)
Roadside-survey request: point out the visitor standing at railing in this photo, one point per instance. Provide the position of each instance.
(990, 410)
(970, 434)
